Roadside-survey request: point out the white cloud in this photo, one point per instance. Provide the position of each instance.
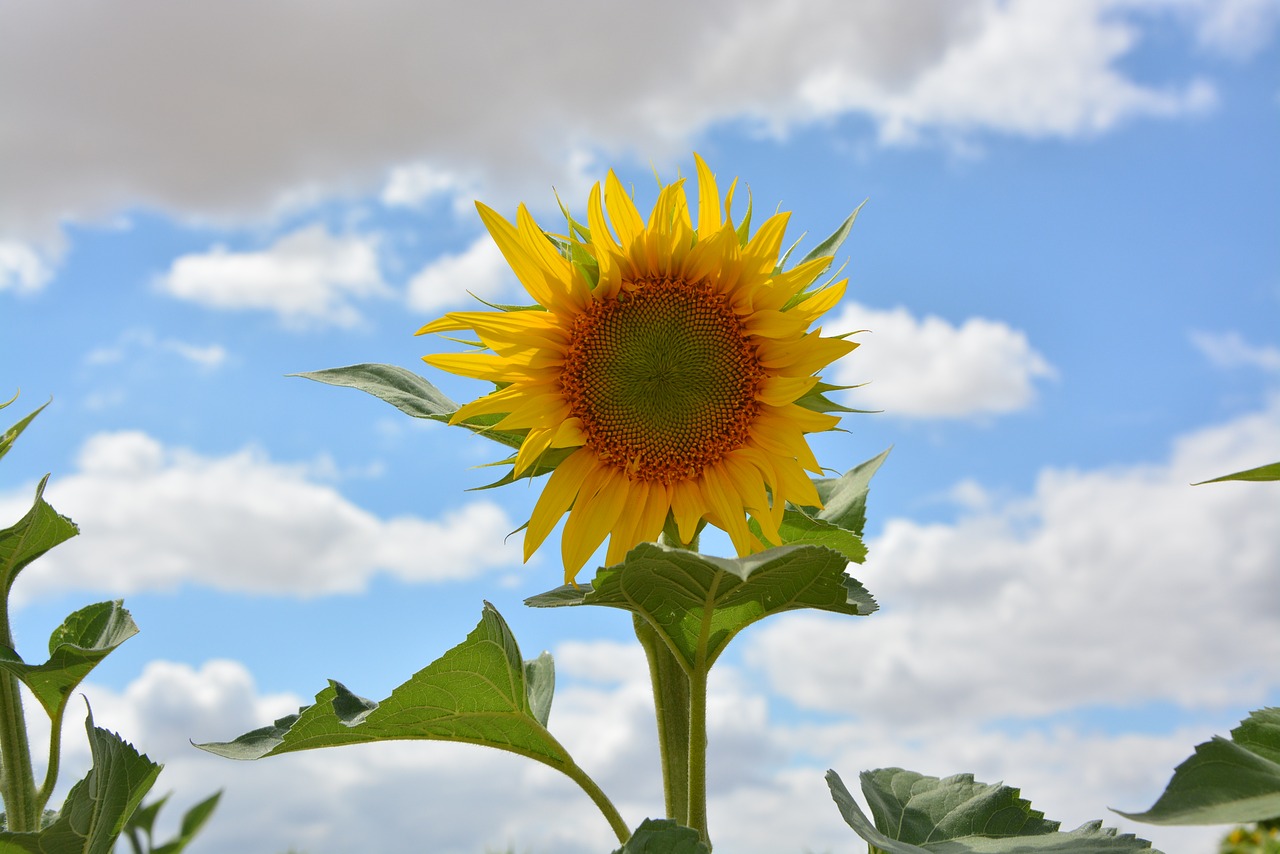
(308, 278)
(1109, 587)
(22, 270)
(450, 280)
(265, 105)
(765, 777)
(1230, 350)
(411, 185)
(929, 368)
(206, 356)
(155, 517)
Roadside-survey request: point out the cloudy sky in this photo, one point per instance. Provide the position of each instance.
(1068, 268)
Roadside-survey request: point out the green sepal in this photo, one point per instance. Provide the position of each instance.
(413, 395)
(193, 820)
(33, 535)
(479, 692)
(831, 245)
(97, 808)
(663, 836)
(915, 814)
(1267, 472)
(501, 307)
(75, 648)
(8, 437)
(545, 464)
(800, 528)
(698, 603)
(744, 227)
(1226, 781)
(816, 400)
(844, 498)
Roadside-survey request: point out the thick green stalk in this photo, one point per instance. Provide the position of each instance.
(698, 755)
(671, 703)
(17, 783)
(601, 800)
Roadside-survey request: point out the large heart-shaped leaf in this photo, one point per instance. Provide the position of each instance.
(479, 692)
(33, 535)
(1226, 781)
(915, 814)
(698, 603)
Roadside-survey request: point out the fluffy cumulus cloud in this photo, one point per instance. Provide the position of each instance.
(930, 368)
(1118, 586)
(451, 281)
(766, 789)
(157, 517)
(228, 109)
(309, 278)
(22, 270)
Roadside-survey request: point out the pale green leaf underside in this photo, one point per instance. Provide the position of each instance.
(411, 394)
(915, 814)
(75, 648)
(699, 603)
(663, 836)
(479, 692)
(1226, 781)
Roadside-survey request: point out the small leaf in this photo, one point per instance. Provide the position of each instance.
(75, 648)
(698, 603)
(663, 836)
(193, 821)
(98, 807)
(915, 814)
(1267, 472)
(8, 437)
(411, 394)
(33, 535)
(844, 499)
(1226, 781)
(479, 692)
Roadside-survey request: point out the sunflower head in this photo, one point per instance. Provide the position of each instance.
(666, 374)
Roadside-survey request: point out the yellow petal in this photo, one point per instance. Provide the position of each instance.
(600, 502)
(562, 488)
(708, 199)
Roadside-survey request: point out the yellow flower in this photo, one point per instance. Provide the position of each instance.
(667, 362)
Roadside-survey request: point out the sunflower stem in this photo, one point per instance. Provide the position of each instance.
(17, 782)
(697, 818)
(671, 706)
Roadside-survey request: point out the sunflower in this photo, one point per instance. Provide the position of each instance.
(667, 372)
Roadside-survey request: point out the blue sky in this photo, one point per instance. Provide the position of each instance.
(1068, 268)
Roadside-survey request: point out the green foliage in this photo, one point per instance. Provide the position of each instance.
(1261, 838)
(663, 836)
(1267, 472)
(411, 394)
(1226, 780)
(75, 648)
(915, 814)
(98, 807)
(33, 535)
(139, 829)
(698, 603)
(479, 692)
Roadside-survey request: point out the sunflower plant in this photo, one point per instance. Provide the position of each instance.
(664, 377)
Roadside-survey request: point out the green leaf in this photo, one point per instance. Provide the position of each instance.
(663, 836)
(915, 814)
(8, 437)
(411, 394)
(844, 499)
(75, 648)
(698, 603)
(1226, 781)
(98, 807)
(798, 528)
(1267, 472)
(479, 692)
(832, 244)
(193, 821)
(33, 535)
